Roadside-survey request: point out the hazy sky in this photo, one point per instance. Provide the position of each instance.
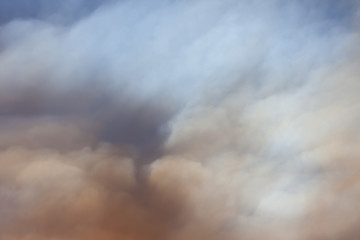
(179, 120)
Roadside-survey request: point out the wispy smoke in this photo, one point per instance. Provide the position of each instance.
(179, 120)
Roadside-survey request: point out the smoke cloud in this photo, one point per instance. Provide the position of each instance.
(178, 120)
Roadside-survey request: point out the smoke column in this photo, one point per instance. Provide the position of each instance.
(179, 120)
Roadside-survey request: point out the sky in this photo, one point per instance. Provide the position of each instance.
(179, 120)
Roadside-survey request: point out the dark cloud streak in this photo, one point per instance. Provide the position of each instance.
(59, 12)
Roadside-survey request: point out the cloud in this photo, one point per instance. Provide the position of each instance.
(179, 120)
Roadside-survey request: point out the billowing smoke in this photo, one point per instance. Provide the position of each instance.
(179, 120)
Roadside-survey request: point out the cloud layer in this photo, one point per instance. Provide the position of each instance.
(179, 120)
